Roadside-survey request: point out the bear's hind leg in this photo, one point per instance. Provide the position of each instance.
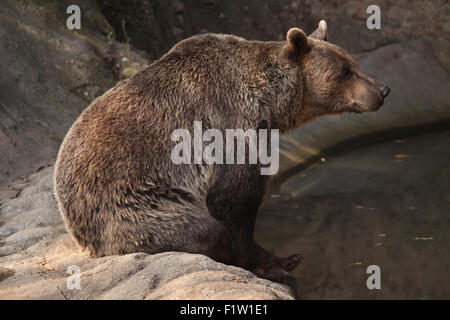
(184, 228)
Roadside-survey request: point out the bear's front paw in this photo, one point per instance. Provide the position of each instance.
(273, 274)
(291, 262)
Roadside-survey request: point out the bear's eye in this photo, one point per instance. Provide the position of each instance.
(346, 72)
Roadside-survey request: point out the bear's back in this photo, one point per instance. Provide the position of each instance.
(125, 135)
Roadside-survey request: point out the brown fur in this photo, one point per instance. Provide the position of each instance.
(116, 186)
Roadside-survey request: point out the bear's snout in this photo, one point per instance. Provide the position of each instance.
(385, 91)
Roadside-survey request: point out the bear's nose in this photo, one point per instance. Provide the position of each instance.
(385, 92)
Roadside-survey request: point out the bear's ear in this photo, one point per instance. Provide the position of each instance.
(321, 33)
(297, 42)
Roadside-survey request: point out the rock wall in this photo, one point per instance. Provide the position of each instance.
(49, 75)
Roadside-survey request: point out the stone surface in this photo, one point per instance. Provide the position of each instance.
(49, 75)
(36, 250)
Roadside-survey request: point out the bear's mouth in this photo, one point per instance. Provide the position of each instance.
(357, 107)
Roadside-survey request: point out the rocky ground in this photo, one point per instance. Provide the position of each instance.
(36, 250)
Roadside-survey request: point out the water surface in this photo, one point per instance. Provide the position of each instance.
(387, 204)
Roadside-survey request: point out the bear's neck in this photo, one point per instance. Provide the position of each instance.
(280, 85)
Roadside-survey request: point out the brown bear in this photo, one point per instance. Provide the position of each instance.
(116, 186)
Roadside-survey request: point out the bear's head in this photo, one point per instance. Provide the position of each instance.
(332, 80)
